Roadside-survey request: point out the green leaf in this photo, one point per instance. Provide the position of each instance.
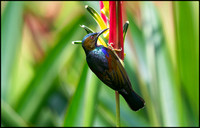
(74, 113)
(30, 102)
(9, 117)
(137, 67)
(91, 98)
(106, 109)
(81, 110)
(138, 41)
(98, 19)
(125, 28)
(87, 29)
(163, 88)
(187, 38)
(11, 32)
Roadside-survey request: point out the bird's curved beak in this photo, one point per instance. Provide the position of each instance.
(99, 33)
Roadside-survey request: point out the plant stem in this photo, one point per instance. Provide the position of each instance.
(116, 38)
(120, 45)
(117, 109)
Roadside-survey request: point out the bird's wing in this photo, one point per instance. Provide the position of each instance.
(116, 72)
(99, 65)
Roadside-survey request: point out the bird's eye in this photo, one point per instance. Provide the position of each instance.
(91, 37)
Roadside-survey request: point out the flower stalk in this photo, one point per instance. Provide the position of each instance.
(117, 109)
(116, 40)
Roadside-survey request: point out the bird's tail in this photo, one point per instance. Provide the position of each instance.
(134, 101)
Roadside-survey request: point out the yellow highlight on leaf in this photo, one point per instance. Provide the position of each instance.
(102, 42)
(105, 10)
(98, 19)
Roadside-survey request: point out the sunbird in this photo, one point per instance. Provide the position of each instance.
(106, 65)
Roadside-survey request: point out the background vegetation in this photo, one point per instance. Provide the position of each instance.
(45, 80)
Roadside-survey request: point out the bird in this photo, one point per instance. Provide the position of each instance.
(106, 65)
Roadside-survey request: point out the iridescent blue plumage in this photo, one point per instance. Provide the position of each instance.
(108, 68)
(105, 51)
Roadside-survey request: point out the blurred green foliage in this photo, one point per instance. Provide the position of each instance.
(45, 80)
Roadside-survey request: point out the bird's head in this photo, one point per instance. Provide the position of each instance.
(89, 42)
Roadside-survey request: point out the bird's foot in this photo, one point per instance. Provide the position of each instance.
(118, 50)
(111, 47)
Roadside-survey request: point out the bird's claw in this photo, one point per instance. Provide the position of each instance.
(111, 47)
(118, 50)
